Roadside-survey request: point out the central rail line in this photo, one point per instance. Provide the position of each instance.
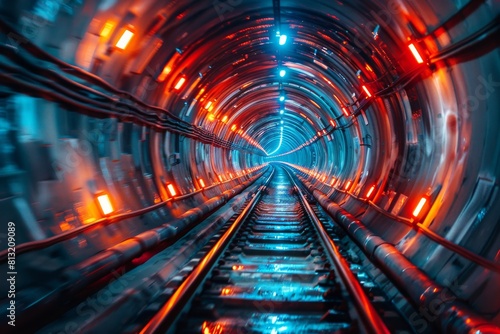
(274, 269)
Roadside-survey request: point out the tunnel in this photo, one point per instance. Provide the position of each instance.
(133, 132)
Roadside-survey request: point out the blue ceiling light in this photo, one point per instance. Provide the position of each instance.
(283, 39)
(282, 98)
(282, 73)
(282, 112)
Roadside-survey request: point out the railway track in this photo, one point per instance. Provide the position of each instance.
(274, 268)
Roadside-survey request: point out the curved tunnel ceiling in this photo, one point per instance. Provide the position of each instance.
(361, 113)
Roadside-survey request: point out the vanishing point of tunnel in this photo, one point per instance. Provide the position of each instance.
(249, 166)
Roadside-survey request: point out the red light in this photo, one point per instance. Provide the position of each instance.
(164, 73)
(367, 91)
(370, 192)
(124, 39)
(180, 83)
(415, 53)
(209, 103)
(333, 181)
(419, 207)
(345, 112)
(220, 178)
(233, 128)
(332, 122)
(348, 185)
(224, 119)
(171, 190)
(105, 204)
(202, 183)
(106, 30)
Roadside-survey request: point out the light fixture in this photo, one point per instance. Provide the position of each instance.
(202, 183)
(282, 39)
(282, 112)
(370, 192)
(106, 30)
(415, 53)
(282, 98)
(163, 75)
(282, 73)
(124, 39)
(281, 121)
(105, 204)
(348, 185)
(367, 91)
(419, 207)
(171, 190)
(180, 83)
(346, 113)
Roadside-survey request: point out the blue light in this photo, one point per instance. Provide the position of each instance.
(282, 112)
(282, 73)
(282, 39)
(282, 98)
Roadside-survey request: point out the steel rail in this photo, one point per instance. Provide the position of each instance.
(166, 317)
(366, 311)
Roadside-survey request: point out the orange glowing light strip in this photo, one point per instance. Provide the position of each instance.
(415, 53)
(124, 39)
(220, 178)
(332, 122)
(163, 75)
(105, 204)
(180, 83)
(171, 190)
(106, 30)
(202, 183)
(367, 91)
(345, 111)
(209, 103)
(233, 128)
(333, 181)
(348, 185)
(419, 207)
(370, 191)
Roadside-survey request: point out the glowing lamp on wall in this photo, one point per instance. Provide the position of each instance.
(105, 204)
(419, 207)
(367, 91)
(171, 190)
(124, 40)
(106, 30)
(417, 56)
(180, 83)
(370, 192)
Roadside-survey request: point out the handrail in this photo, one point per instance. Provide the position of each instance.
(168, 313)
(371, 319)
